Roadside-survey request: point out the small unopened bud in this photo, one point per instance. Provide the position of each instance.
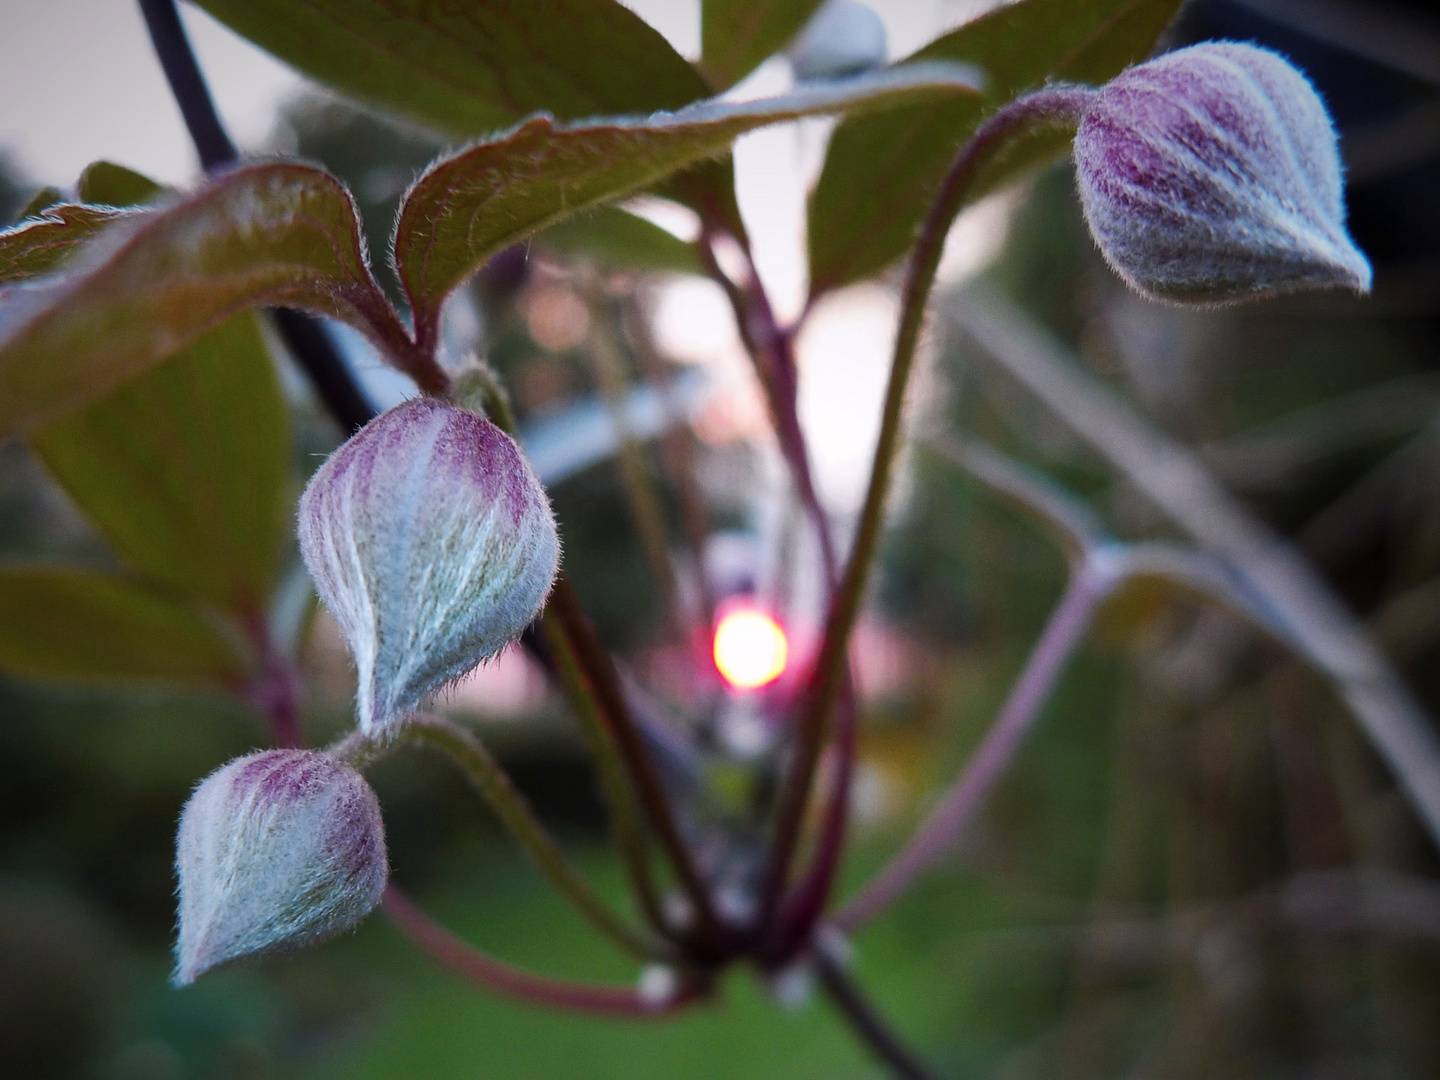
(1211, 175)
(845, 37)
(432, 543)
(276, 850)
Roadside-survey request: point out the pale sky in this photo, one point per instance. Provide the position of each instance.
(79, 81)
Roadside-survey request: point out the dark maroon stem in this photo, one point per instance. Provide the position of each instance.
(867, 1023)
(598, 668)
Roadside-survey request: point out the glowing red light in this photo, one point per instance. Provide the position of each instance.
(750, 648)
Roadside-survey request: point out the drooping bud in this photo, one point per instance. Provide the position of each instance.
(432, 543)
(1211, 175)
(276, 850)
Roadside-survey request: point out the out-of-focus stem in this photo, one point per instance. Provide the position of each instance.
(866, 1023)
(624, 813)
(1051, 106)
(510, 806)
(479, 967)
(604, 682)
(1092, 580)
(678, 458)
(609, 368)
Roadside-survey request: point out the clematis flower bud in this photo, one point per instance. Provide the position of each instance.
(1211, 175)
(276, 850)
(432, 543)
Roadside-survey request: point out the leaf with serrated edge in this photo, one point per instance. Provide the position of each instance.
(150, 286)
(42, 244)
(881, 172)
(70, 625)
(737, 35)
(468, 207)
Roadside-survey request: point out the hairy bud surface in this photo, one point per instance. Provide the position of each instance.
(1211, 175)
(433, 545)
(276, 850)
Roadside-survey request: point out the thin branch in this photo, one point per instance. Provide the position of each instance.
(598, 668)
(304, 335)
(624, 812)
(1092, 580)
(1052, 106)
(867, 1023)
(481, 768)
(1293, 594)
(479, 967)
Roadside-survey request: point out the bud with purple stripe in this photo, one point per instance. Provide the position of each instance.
(1211, 175)
(432, 543)
(276, 850)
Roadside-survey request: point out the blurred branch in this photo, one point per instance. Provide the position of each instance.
(1173, 479)
(866, 1022)
(1271, 455)
(1092, 579)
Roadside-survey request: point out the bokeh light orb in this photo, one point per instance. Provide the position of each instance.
(750, 648)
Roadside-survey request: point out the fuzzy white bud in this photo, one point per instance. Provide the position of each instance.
(276, 850)
(1211, 175)
(432, 543)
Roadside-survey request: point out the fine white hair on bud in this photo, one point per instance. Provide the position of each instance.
(1211, 175)
(432, 543)
(276, 850)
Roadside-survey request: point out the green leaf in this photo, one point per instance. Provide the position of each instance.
(42, 244)
(617, 238)
(184, 468)
(85, 626)
(737, 35)
(468, 207)
(109, 184)
(152, 285)
(881, 172)
(466, 70)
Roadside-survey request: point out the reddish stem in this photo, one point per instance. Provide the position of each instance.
(493, 974)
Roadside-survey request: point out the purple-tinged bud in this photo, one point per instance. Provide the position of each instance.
(276, 850)
(1211, 175)
(432, 543)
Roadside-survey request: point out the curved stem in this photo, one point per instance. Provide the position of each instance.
(510, 806)
(1093, 579)
(1050, 106)
(494, 974)
(866, 1023)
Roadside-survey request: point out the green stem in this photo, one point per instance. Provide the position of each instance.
(1044, 107)
(510, 806)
